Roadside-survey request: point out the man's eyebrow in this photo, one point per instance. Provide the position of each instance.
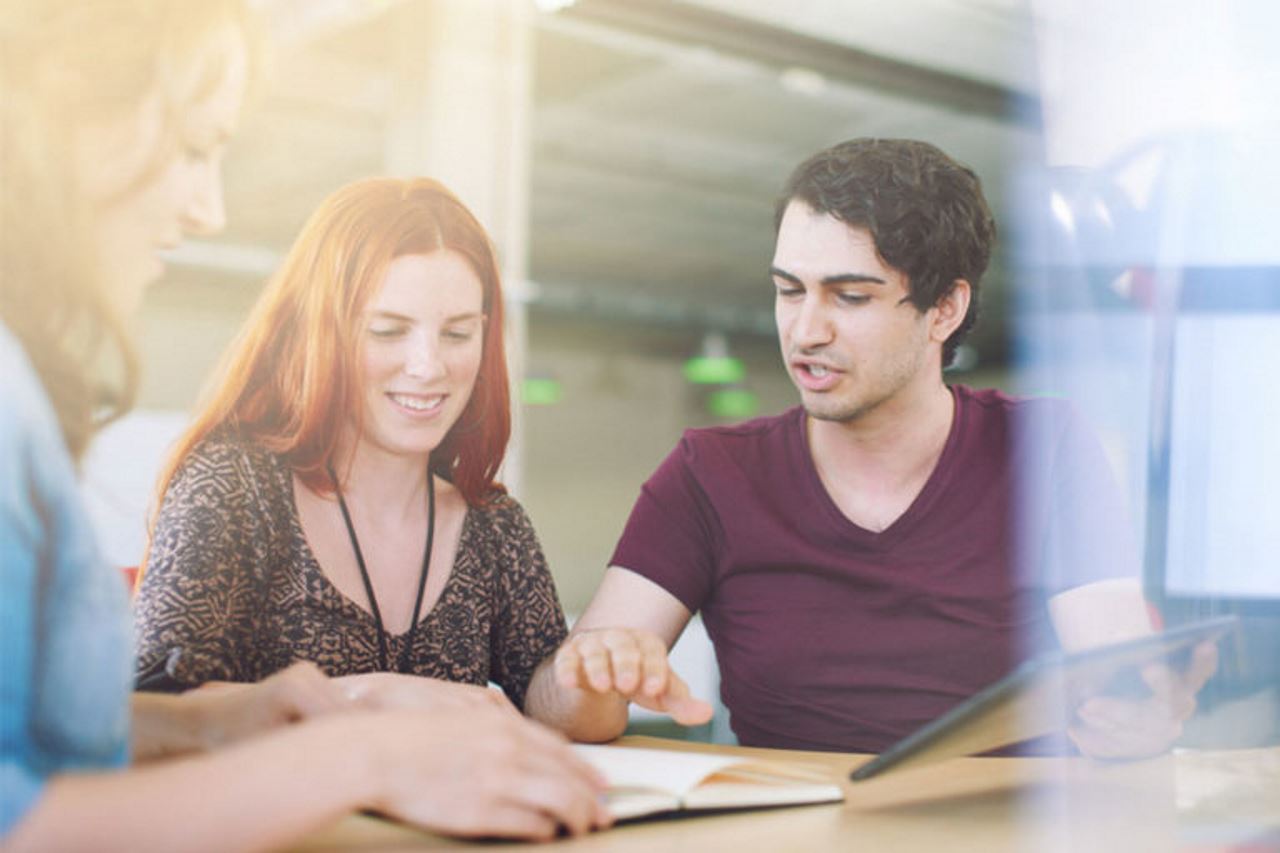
(827, 281)
(853, 278)
(777, 272)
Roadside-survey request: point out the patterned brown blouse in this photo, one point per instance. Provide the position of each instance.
(232, 591)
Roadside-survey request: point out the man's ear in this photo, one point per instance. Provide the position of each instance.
(949, 311)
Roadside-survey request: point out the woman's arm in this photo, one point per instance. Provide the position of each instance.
(478, 772)
(201, 587)
(165, 726)
(528, 623)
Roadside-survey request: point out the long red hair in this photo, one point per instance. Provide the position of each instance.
(296, 362)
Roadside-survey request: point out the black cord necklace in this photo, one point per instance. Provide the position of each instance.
(402, 662)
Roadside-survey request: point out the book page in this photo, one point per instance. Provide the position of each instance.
(647, 781)
(676, 773)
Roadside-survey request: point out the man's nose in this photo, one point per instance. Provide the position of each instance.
(812, 326)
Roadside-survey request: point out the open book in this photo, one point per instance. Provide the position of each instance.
(652, 781)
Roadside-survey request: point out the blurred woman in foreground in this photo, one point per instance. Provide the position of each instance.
(112, 126)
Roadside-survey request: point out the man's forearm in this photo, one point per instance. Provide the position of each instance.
(582, 715)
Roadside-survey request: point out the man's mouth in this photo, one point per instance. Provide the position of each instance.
(815, 376)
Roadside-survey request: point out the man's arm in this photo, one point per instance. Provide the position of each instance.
(616, 654)
(1112, 611)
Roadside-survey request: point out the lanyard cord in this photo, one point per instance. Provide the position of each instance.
(401, 661)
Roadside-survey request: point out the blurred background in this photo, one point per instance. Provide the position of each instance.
(626, 154)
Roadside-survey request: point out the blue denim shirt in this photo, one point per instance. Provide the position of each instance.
(65, 633)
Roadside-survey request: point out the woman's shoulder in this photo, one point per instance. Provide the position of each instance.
(500, 508)
(500, 520)
(226, 446)
(225, 457)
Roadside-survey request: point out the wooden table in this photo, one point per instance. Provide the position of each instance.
(1197, 801)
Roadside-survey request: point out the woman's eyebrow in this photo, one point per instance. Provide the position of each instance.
(382, 314)
(386, 314)
(470, 315)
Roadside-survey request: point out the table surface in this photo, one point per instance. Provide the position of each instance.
(1199, 801)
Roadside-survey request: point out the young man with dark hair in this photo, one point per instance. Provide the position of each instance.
(856, 558)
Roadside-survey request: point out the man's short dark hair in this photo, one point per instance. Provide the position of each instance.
(925, 211)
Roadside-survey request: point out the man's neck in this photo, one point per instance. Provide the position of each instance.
(892, 449)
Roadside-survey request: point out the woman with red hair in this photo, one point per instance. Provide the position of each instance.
(334, 500)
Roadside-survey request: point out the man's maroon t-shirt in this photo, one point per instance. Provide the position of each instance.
(830, 636)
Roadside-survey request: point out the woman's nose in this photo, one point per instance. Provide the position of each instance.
(205, 212)
(423, 359)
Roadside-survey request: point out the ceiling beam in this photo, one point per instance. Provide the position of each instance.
(783, 49)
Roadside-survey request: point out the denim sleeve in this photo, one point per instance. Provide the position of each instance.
(64, 626)
(21, 788)
(20, 539)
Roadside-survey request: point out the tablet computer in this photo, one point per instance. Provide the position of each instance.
(1034, 700)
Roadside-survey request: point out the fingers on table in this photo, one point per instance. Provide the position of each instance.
(628, 662)
(304, 691)
(682, 705)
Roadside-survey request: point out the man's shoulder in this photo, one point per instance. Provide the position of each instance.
(732, 457)
(1024, 424)
(763, 429)
(989, 399)
(995, 403)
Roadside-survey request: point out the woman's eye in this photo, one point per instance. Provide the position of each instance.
(386, 332)
(197, 153)
(458, 334)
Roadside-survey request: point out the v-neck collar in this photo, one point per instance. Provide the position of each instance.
(939, 478)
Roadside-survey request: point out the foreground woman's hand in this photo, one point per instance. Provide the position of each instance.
(481, 771)
(632, 664)
(221, 713)
(1109, 727)
(392, 690)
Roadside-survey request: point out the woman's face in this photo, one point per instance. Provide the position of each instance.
(142, 207)
(422, 340)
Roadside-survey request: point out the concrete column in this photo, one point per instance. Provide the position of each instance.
(461, 114)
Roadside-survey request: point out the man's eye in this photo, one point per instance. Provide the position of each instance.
(787, 292)
(854, 298)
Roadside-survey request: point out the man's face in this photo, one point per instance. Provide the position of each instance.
(850, 338)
